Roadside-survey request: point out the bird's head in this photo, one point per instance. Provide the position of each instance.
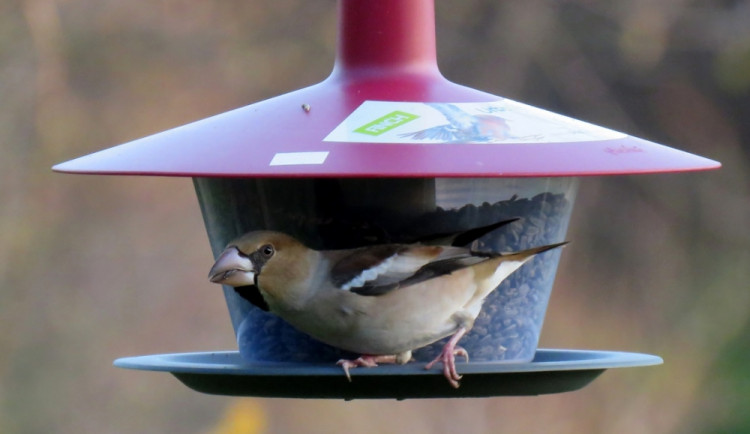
(259, 256)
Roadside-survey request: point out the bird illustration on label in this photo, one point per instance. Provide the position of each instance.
(463, 127)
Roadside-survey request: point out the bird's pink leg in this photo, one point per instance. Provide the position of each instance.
(448, 357)
(366, 360)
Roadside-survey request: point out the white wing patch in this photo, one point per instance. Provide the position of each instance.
(392, 270)
(368, 275)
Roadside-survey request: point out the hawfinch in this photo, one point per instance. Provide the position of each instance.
(381, 301)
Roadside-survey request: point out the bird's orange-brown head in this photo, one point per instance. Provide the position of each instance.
(272, 261)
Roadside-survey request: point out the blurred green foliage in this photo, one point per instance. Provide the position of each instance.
(96, 268)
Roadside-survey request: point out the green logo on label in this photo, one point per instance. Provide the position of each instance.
(386, 123)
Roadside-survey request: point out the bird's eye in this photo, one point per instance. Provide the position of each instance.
(267, 250)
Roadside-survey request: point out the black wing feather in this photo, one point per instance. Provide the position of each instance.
(429, 271)
(351, 266)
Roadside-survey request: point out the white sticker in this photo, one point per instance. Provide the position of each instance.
(503, 121)
(298, 158)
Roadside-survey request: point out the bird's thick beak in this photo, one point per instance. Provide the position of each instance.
(232, 268)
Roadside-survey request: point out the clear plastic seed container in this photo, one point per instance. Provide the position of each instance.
(333, 213)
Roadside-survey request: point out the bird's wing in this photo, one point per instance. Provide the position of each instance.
(442, 133)
(458, 119)
(380, 269)
(435, 269)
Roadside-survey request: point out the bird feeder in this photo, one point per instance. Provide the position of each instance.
(387, 150)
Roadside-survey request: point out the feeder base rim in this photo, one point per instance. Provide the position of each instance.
(226, 373)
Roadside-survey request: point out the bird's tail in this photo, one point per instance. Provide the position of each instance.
(501, 265)
(524, 255)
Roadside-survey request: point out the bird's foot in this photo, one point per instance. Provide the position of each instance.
(448, 358)
(366, 360)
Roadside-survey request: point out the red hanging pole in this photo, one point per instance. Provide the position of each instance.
(386, 36)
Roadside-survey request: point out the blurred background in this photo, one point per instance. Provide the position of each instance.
(96, 268)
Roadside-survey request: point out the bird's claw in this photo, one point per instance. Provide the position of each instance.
(366, 361)
(448, 358)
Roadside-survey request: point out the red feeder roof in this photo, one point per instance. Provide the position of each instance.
(387, 113)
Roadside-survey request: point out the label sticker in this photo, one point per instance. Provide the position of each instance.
(298, 158)
(503, 121)
(386, 123)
